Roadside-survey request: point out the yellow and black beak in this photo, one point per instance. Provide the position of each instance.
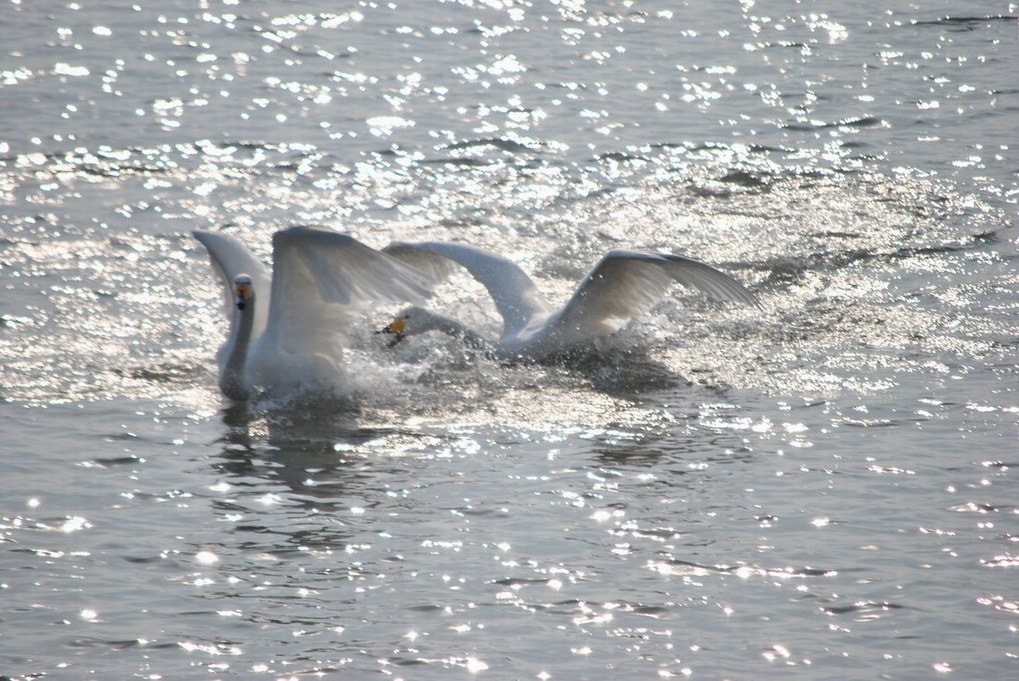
(397, 328)
(242, 292)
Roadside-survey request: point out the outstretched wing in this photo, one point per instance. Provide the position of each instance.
(319, 279)
(231, 257)
(515, 296)
(625, 283)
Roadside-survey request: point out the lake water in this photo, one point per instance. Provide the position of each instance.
(821, 489)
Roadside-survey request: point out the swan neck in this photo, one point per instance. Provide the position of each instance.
(232, 379)
(452, 327)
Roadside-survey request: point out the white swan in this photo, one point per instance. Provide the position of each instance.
(284, 323)
(621, 286)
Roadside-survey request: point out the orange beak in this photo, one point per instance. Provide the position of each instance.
(395, 327)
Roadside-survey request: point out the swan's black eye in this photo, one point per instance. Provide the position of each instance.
(241, 305)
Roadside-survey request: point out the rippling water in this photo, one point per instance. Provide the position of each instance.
(820, 489)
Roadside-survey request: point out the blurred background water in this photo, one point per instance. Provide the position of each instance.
(821, 489)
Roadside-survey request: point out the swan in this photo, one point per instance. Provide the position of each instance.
(618, 288)
(284, 322)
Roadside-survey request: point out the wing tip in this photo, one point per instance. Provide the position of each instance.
(211, 240)
(741, 294)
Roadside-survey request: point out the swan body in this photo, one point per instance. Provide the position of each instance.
(622, 285)
(284, 323)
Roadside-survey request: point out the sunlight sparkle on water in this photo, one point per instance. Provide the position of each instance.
(209, 648)
(75, 523)
(474, 665)
(206, 558)
(655, 487)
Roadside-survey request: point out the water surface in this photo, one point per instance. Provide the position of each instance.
(820, 489)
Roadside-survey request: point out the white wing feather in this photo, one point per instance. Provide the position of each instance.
(625, 283)
(515, 296)
(419, 256)
(319, 277)
(231, 257)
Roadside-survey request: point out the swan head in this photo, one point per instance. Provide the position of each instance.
(416, 319)
(396, 328)
(244, 292)
(419, 320)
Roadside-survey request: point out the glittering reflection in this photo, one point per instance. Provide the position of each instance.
(378, 506)
(776, 493)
